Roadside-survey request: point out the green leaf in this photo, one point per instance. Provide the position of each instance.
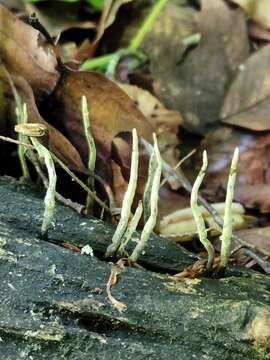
(98, 4)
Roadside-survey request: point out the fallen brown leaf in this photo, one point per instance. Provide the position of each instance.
(247, 103)
(60, 146)
(108, 15)
(22, 54)
(254, 197)
(258, 237)
(109, 12)
(253, 175)
(194, 80)
(258, 32)
(170, 201)
(257, 10)
(165, 122)
(119, 184)
(112, 112)
(58, 17)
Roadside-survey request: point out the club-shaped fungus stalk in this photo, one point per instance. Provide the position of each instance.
(128, 198)
(91, 151)
(21, 114)
(197, 214)
(226, 236)
(151, 222)
(21, 117)
(149, 185)
(132, 226)
(36, 132)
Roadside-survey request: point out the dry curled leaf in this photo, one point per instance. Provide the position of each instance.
(196, 81)
(258, 237)
(58, 17)
(247, 102)
(253, 175)
(119, 184)
(165, 122)
(257, 10)
(256, 196)
(22, 54)
(111, 112)
(109, 12)
(258, 32)
(60, 146)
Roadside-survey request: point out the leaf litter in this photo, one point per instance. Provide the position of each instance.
(214, 84)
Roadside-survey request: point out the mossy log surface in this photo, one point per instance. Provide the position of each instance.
(54, 303)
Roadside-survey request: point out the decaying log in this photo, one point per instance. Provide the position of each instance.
(54, 303)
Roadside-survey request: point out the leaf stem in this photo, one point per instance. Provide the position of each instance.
(132, 49)
(147, 24)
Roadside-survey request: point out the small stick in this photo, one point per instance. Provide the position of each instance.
(17, 142)
(128, 198)
(180, 162)
(34, 22)
(264, 264)
(67, 202)
(66, 169)
(85, 187)
(196, 211)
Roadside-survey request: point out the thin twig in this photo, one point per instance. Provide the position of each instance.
(264, 264)
(17, 142)
(180, 162)
(67, 202)
(85, 187)
(65, 168)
